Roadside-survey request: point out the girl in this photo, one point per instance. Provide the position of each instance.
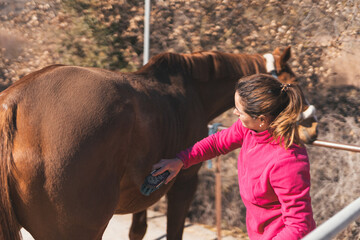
(273, 166)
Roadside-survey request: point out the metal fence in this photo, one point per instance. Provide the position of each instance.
(337, 223)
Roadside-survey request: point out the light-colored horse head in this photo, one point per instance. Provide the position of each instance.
(276, 64)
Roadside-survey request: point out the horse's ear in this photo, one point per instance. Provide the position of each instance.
(277, 52)
(285, 56)
(281, 57)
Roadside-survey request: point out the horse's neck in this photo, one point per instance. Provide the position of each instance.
(217, 93)
(213, 74)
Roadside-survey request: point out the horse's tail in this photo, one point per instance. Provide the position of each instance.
(9, 227)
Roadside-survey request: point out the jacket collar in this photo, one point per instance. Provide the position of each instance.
(263, 137)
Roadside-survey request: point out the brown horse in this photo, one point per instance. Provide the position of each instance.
(76, 143)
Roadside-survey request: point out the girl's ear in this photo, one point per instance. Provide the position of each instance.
(265, 120)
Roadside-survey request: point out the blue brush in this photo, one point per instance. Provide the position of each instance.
(152, 183)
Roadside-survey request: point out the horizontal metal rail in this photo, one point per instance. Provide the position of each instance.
(322, 143)
(335, 145)
(337, 223)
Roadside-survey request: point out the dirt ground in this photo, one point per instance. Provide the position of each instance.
(119, 225)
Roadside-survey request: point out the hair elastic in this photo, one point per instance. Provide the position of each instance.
(285, 87)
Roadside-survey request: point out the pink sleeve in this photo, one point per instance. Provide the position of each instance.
(219, 143)
(290, 179)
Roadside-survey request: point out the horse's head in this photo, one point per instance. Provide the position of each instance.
(276, 65)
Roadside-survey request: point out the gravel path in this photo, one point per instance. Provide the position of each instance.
(119, 225)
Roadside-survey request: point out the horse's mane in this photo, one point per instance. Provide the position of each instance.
(202, 66)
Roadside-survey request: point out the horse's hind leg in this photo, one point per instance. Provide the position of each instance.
(138, 226)
(179, 199)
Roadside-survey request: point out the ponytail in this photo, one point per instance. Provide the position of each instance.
(284, 127)
(265, 95)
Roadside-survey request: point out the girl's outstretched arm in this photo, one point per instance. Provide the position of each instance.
(207, 148)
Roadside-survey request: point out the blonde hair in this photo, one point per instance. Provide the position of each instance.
(263, 94)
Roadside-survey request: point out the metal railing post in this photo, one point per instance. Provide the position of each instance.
(213, 129)
(146, 32)
(218, 196)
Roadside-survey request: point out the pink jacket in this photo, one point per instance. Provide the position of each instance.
(274, 182)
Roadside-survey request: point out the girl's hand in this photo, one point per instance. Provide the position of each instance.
(172, 165)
